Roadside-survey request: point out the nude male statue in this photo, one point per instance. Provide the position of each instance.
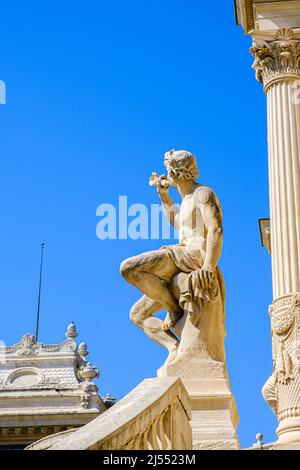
(199, 223)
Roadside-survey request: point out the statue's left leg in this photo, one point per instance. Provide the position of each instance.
(141, 314)
(150, 272)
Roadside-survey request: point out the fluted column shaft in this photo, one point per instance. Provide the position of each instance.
(284, 177)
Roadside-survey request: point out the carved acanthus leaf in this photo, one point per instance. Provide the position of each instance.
(280, 56)
(284, 314)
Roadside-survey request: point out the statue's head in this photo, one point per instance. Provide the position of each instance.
(181, 165)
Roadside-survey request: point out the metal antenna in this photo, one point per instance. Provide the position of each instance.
(40, 291)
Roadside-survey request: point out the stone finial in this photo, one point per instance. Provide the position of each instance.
(89, 372)
(83, 351)
(259, 438)
(109, 401)
(71, 331)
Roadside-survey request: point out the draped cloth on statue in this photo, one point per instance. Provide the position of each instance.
(185, 259)
(203, 325)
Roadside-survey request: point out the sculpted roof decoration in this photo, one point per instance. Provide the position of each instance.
(29, 347)
(66, 369)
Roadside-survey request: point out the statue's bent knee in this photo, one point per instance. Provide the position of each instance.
(126, 268)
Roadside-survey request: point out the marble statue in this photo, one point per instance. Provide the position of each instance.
(183, 279)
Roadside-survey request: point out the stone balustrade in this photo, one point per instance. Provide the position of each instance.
(154, 416)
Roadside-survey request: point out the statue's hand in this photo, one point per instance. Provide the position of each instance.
(161, 182)
(163, 186)
(205, 277)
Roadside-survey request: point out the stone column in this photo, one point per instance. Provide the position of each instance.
(277, 66)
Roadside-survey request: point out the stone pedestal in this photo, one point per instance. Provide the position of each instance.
(214, 412)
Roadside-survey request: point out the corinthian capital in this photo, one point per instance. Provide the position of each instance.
(277, 59)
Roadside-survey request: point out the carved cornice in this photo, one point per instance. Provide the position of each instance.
(244, 14)
(277, 60)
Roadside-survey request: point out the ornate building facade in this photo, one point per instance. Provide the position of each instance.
(45, 389)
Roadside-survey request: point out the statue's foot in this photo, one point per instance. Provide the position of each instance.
(171, 320)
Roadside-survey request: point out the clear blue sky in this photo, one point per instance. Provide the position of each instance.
(97, 91)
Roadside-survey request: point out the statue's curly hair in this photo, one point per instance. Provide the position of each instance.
(181, 165)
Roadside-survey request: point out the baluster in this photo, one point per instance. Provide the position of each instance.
(161, 432)
(144, 440)
(167, 426)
